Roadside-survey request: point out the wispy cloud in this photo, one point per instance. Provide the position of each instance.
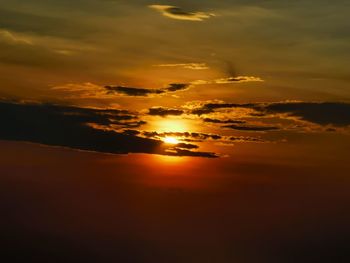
(82, 91)
(30, 41)
(229, 80)
(223, 121)
(92, 91)
(254, 128)
(194, 66)
(179, 14)
(197, 137)
(13, 38)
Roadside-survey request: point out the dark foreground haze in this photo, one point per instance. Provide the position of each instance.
(64, 206)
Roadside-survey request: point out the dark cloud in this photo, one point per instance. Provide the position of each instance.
(131, 132)
(201, 111)
(322, 113)
(177, 86)
(213, 106)
(223, 121)
(78, 128)
(130, 91)
(186, 146)
(184, 152)
(251, 128)
(245, 139)
(161, 111)
(143, 92)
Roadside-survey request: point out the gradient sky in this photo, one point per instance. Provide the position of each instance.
(175, 131)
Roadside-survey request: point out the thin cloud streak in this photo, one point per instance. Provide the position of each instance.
(194, 66)
(177, 13)
(229, 80)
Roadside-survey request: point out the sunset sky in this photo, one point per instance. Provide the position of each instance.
(175, 131)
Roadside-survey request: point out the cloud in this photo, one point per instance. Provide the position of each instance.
(197, 137)
(130, 91)
(200, 108)
(223, 121)
(182, 135)
(177, 13)
(31, 41)
(186, 146)
(245, 139)
(229, 80)
(184, 152)
(90, 90)
(322, 113)
(176, 87)
(251, 128)
(83, 91)
(194, 66)
(143, 92)
(12, 38)
(315, 113)
(238, 79)
(81, 128)
(161, 111)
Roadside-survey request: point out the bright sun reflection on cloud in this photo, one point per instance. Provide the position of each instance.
(171, 125)
(171, 140)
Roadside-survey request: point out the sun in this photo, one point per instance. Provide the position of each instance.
(171, 140)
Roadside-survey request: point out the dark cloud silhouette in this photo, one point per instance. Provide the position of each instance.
(184, 152)
(161, 111)
(177, 86)
(130, 91)
(143, 92)
(75, 128)
(213, 106)
(223, 121)
(201, 111)
(322, 113)
(186, 146)
(251, 128)
(245, 139)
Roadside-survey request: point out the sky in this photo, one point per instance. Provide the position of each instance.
(175, 131)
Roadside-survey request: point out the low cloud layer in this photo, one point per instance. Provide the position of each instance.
(83, 129)
(321, 113)
(196, 136)
(179, 14)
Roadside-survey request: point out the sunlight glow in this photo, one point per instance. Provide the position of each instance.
(171, 140)
(171, 125)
